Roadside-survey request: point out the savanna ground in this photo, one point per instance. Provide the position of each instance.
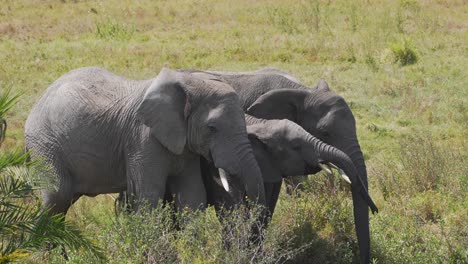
(400, 65)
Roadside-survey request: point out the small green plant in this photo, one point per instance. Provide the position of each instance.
(112, 30)
(404, 52)
(372, 63)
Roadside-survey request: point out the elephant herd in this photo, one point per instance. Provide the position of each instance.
(203, 137)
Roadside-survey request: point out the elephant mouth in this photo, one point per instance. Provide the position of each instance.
(310, 169)
(209, 157)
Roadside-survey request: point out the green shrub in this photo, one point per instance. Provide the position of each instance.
(404, 52)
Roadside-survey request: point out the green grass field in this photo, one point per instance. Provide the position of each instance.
(400, 65)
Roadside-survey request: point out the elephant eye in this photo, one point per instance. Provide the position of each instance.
(212, 128)
(325, 134)
(296, 147)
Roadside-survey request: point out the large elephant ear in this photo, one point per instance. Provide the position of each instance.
(164, 109)
(270, 171)
(279, 104)
(323, 85)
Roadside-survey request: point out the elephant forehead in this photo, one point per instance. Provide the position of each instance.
(219, 86)
(285, 128)
(224, 112)
(216, 113)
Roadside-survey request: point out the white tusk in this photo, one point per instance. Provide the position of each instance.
(342, 173)
(325, 168)
(333, 165)
(224, 181)
(344, 176)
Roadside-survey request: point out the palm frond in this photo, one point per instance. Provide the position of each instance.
(24, 225)
(7, 101)
(13, 188)
(56, 230)
(13, 158)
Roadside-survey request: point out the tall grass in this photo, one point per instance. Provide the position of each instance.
(423, 165)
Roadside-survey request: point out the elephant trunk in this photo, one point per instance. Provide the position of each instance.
(361, 199)
(251, 175)
(243, 165)
(361, 213)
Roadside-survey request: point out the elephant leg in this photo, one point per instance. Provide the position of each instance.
(188, 187)
(58, 202)
(272, 191)
(147, 177)
(123, 203)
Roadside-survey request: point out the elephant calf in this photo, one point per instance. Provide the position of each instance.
(283, 149)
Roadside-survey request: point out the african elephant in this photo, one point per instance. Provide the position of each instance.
(282, 148)
(102, 133)
(274, 94)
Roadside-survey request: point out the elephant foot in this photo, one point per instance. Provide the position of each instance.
(64, 253)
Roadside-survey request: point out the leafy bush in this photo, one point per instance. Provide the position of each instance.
(404, 52)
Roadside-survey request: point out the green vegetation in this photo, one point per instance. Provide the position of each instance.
(399, 64)
(404, 52)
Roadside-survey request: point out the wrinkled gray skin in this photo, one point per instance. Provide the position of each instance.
(282, 148)
(274, 94)
(102, 133)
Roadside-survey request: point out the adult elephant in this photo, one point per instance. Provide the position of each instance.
(102, 133)
(274, 94)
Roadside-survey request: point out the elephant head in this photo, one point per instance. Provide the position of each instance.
(325, 115)
(184, 112)
(283, 148)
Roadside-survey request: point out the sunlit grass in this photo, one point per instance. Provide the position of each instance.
(410, 110)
